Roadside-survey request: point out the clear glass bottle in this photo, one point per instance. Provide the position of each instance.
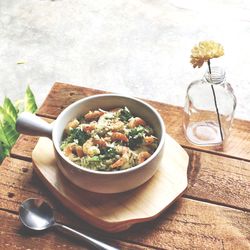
(209, 109)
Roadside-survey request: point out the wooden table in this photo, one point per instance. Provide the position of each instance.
(214, 212)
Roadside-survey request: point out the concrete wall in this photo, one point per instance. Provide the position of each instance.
(140, 48)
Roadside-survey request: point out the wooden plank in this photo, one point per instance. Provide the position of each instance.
(18, 183)
(219, 179)
(238, 145)
(187, 224)
(15, 236)
(55, 103)
(23, 147)
(191, 224)
(211, 178)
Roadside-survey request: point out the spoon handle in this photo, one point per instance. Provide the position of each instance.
(94, 242)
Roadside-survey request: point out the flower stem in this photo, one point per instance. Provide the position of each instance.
(215, 103)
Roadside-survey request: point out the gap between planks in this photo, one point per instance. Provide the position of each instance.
(185, 214)
(215, 153)
(187, 196)
(195, 189)
(208, 228)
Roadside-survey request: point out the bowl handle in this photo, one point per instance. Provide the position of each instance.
(31, 124)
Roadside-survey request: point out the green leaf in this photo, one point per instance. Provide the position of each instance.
(19, 106)
(6, 117)
(3, 138)
(125, 114)
(75, 135)
(8, 133)
(136, 136)
(29, 101)
(10, 108)
(4, 151)
(108, 152)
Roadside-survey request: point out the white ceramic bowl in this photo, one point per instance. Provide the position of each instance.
(96, 181)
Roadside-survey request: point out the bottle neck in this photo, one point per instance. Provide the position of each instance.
(217, 76)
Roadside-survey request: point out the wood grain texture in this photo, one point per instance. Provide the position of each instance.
(190, 224)
(61, 96)
(187, 224)
(15, 236)
(23, 147)
(116, 212)
(17, 183)
(219, 179)
(213, 178)
(237, 146)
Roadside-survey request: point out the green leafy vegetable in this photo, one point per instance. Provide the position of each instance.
(99, 162)
(96, 162)
(29, 101)
(10, 108)
(108, 153)
(8, 116)
(19, 106)
(91, 162)
(94, 159)
(135, 136)
(8, 133)
(125, 114)
(4, 116)
(75, 135)
(4, 151)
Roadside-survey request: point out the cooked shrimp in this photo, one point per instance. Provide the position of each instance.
(149, 140)
(100, 142)
(119, 163)
(92, 115)
(123, 159)
(68, 150)
(88, 127)
(88, 148)
(79, 151)
(118, 126)
(135, 122)
(93, 150)
(142, 156)
(117, 136)
(72, 124)
(73, 148)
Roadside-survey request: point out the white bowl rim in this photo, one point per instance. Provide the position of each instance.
(84, 169)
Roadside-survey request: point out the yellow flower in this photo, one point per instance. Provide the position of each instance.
(205, 51)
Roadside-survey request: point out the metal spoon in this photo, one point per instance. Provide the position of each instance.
(36, 214)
